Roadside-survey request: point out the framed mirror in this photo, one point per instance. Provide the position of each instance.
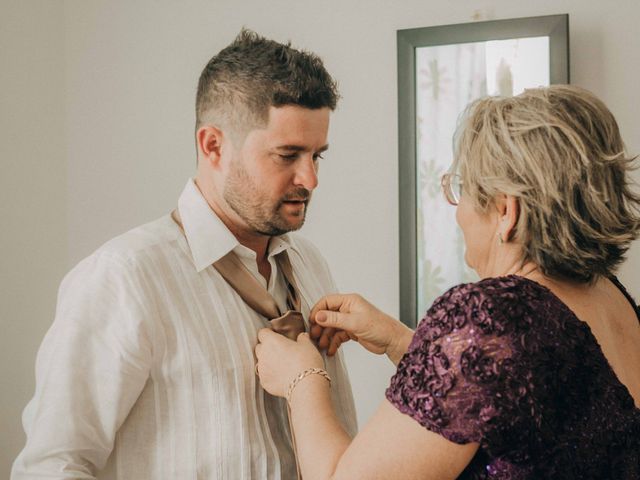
(440, 71)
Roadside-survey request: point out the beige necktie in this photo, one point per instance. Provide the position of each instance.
(237, 275)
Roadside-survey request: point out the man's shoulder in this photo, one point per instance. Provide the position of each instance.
(142, 244)
(142, 240)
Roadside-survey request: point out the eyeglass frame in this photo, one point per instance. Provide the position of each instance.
(451, 184)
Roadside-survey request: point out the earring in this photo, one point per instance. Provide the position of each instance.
(500, 240)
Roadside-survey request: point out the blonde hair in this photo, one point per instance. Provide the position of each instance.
(558, 150)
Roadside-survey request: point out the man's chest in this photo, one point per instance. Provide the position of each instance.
(204, 329)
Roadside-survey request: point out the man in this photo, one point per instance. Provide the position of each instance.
(148, 370)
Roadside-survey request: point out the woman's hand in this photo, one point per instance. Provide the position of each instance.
(280, 360)
(336, 316)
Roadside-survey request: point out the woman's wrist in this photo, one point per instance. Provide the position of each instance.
(312, 371)
(399, 343)
(309, 389)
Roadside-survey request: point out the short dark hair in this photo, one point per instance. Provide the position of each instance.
(240, 83)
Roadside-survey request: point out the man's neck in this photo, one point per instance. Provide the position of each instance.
(257, 242)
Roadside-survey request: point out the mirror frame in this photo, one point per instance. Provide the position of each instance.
(556, 27)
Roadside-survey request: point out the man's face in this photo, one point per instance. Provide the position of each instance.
(271, 177)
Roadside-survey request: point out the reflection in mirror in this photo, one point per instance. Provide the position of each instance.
(441, 70)
(448, 78)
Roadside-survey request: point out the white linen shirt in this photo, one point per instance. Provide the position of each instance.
(148, 369)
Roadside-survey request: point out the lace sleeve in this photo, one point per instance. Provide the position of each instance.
(457, 378)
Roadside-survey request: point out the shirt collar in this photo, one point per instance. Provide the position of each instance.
(208, 237)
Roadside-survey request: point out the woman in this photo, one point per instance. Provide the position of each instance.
(532, 372)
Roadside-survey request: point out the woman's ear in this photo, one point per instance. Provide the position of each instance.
(509, 210)
(209, 141)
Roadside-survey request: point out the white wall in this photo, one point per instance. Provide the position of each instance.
(130, 71)
(33, 191)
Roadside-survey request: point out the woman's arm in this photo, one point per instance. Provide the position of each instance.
(399, 342)
(320, 438)
(391, 444)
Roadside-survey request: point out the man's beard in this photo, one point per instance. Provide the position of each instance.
(255, 208)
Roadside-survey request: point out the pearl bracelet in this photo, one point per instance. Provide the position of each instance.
(306, 373)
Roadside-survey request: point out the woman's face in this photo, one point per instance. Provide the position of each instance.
(479, 232)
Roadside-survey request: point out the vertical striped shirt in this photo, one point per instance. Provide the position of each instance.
(148, 369)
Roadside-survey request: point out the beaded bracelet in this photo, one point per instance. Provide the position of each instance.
(306, 373)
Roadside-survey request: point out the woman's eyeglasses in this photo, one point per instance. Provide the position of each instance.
(451, 184)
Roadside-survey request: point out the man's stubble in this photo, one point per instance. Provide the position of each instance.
(255, 208)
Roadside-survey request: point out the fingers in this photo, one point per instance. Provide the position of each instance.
(335, 302)
(265, 333)
(338, 339)
(335, 320)
(315, 331)
(328, 341)
(325, 338)
(304, 337)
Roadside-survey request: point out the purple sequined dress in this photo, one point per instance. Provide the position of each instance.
(503, 362)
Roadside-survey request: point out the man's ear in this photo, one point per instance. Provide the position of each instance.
(509, 212)
(209, 140)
